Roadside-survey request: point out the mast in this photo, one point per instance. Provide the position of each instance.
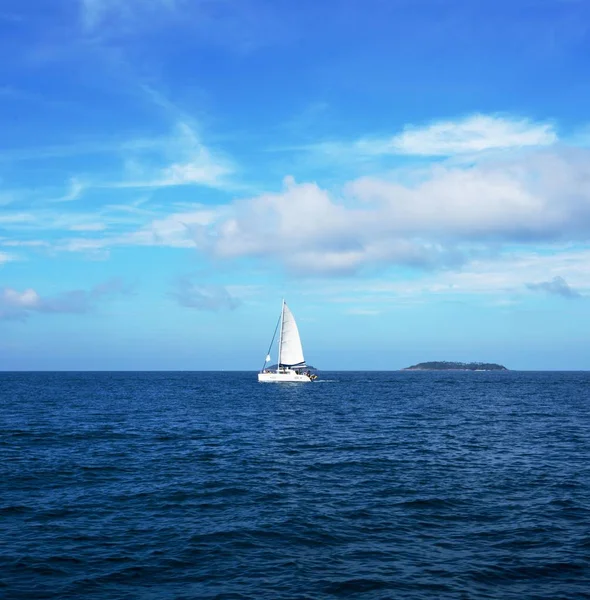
(274, 335)
(281, 335)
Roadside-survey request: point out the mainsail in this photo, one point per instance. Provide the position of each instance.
(290, 352)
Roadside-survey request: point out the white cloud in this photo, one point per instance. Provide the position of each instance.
(506, 274)
(112, 226)
(5, 257)
(471, 135)
(239, 26)
(51, 220)
(76, 187)
(87, 245)
(500, 280)
(27, 299)
(198, 171)
(446, 217)
(449, 217)
(475, 133)
(24, 243)
(440, 216)
(177, 159)
(454, 214)
(186, 160)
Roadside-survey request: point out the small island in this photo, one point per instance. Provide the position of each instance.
(443, 365)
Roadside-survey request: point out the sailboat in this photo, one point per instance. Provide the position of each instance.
(291, 365)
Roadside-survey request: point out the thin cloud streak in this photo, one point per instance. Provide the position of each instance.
(5, 257)
(470, 135)
(476, 133)
(180, 159)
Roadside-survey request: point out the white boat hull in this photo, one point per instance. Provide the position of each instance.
(284, 377)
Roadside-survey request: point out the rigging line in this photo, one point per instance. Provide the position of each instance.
(272, 341)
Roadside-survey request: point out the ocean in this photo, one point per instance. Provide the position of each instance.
(372, 485)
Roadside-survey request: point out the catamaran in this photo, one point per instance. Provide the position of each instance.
(291, 366)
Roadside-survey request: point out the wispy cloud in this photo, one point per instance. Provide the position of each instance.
(178, 159)
(96, 226)
(177, 230)
(475, 133)
(306, 118)
(76, 188)
(558, 286)
(203, 296)
(238, 27)
(15, 305)
(24, 243)
(5, 257)
(109, 227)
(470, 135)
(94, 13)
(494, 280)
(115, 146)
(17, 217)
(192, 164)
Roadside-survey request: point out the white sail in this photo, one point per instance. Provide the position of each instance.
(291, 352)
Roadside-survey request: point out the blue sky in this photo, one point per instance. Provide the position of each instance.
(412, 176)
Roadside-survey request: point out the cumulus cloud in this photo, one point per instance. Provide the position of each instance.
(433, 217)
(445, 216)
(20, 305)
(451, 215)
(203, 296)
(314, 234)
(558, 286)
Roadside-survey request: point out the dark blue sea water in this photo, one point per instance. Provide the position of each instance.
(363, 485)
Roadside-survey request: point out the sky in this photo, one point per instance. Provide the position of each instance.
(412, 176)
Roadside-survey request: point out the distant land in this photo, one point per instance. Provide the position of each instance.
(443, 365)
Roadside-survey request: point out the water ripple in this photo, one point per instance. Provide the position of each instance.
(386, 485)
